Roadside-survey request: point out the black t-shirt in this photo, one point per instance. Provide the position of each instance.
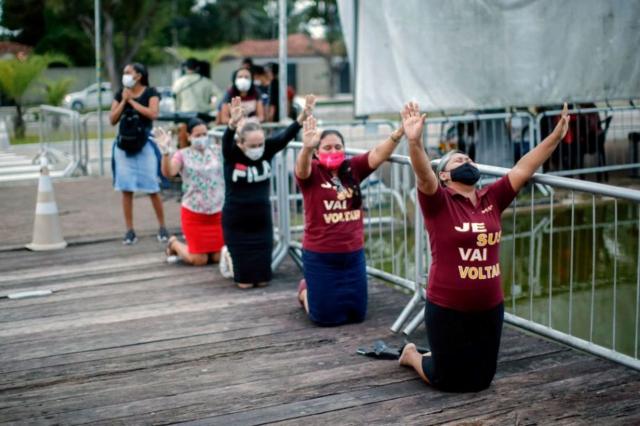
(247, 181)
(143, 99)
(274, 96)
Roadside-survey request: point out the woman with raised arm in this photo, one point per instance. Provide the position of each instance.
(334, 288)
(200, 165)
(246, 214)
(464, 310)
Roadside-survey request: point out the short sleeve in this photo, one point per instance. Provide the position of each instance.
(431, 204)
(360, 166)
(118, 96)
(303, 183)
(178, 158)
(501, 192)
(151, 92)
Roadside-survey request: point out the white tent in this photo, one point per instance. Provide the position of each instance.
(478, 54)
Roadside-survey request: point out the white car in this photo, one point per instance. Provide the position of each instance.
(87, 99)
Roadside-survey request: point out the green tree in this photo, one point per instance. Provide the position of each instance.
(125, 27)
(55, 91)
(325, 14)
(16, 76)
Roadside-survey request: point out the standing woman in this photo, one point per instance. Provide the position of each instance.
(200, 166)
(134, 160)
(464, 310)
(246, 215)
(243, 87)
(334, 288)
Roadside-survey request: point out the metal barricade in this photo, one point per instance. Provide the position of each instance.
(600, 140)
(61, 140)
(570, 256)
(497, 139)
(570, 266)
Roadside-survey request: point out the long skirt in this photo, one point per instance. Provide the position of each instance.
(336, 286)
(248, 234)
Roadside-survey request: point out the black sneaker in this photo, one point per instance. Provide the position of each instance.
(130, 238)
(163, 235)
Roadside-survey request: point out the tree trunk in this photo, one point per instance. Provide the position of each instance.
(18, 122)
(110, 54)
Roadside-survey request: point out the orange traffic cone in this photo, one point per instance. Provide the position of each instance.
(47, 234)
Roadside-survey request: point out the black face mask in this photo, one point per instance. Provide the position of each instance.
(466, 174)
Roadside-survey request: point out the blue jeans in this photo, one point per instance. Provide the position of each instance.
(336, 286)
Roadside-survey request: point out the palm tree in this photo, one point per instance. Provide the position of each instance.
(16, 76)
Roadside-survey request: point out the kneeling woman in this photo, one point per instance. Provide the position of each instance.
(464, 310)
(246, 216)
(334, 289)
(200, 166)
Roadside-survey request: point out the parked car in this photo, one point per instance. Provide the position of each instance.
(87, 99)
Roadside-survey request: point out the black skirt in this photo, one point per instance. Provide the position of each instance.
(248, 234)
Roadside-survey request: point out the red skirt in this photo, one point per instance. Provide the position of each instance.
(203, 232)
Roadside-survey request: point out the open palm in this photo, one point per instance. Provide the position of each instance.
(236, 111)
(412, 121)
(563, 125)
(310, 133)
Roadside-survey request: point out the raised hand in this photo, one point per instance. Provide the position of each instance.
(162, 138)
(310, 133)
(412, 121)
(562, 127)
(309, 104)
(236, 111)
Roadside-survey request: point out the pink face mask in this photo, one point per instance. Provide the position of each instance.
(331, 160)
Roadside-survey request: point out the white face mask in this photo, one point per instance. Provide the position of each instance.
(243, 84)
(200, 143)
(254, 153)
(128, 81)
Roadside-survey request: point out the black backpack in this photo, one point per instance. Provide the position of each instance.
(132, 135)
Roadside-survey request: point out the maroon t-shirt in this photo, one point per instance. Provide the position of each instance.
(331, 224)
(465, 246)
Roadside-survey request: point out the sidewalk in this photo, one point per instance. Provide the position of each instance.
(89, 210)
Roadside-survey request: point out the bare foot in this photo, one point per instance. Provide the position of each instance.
(408, 352)
(244, 286)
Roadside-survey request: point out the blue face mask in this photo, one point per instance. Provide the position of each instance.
(467, 174)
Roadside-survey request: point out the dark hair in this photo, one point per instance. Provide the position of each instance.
(234, 90)
(274, 67)
(344, 172)
(247, 61)
(192, 64)
(142, 70)
(194, 122)
(257, 70)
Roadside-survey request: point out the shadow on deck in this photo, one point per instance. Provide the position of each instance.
(128, 339)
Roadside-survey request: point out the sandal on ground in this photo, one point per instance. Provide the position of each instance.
(262, 284)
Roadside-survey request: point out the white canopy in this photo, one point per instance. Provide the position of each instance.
(478, 54)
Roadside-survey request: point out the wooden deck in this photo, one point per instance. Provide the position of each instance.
(127, 339)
